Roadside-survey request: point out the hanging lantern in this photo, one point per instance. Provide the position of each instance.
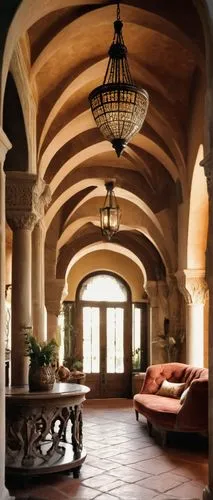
(118, 106)
(110, 214)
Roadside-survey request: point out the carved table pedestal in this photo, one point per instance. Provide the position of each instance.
(44, 429)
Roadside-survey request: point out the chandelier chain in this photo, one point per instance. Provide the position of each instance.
(118, 11)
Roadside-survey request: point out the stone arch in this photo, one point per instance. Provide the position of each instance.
(94, 247)
(23, 16)
(97, 182)
(141, 223)
(205, 12)
(14, 127)
(84, 122)
(128, 272)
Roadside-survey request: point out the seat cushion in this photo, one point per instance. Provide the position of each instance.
(159, 410)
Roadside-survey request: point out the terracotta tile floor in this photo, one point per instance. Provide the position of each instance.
(124, 463)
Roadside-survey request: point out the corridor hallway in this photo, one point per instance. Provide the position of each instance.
(124, 463)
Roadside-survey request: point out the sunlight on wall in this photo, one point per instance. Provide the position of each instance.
(198, 217)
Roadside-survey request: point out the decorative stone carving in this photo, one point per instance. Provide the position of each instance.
(5, 145)
(152, 292)
(26, 199)
(192, 285)
(41, 196)
(24, 221)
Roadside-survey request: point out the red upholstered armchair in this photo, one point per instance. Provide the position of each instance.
(167, 412)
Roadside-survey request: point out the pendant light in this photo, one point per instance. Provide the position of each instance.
(118, 106)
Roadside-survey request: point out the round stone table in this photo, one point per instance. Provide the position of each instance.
(44, 429)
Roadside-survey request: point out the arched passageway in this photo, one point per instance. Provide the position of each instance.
(55, 63)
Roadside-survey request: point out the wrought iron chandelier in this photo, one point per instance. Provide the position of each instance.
(118, 106)
(110, 214)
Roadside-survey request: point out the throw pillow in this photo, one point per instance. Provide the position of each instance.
(184, 395)
(171, 389)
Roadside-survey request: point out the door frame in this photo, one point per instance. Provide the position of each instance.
(127, 321)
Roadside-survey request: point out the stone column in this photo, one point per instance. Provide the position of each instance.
(53, 294)
(193, 286)
(152, 292)
(23, 193)
(207, 163)
(38, 268)
(38, 298)
(5, 145)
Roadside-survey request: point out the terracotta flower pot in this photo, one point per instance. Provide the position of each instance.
(41, 378)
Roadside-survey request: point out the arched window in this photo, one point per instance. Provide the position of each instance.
(103, 287)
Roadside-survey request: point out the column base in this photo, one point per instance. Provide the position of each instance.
(207, 493)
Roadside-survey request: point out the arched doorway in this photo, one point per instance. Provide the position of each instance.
(105, 334)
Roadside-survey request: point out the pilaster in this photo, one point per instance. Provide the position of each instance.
(38, 279)
(163, 293)
(53, 294)
(152, 292)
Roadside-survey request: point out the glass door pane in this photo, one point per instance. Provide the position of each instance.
(91, 339)
(136, 341)
(115, 339)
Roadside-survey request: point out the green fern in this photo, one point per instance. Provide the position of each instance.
(41, 353)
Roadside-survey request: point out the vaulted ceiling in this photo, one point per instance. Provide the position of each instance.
(66, 53)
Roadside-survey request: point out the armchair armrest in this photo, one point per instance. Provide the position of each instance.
(193, 414)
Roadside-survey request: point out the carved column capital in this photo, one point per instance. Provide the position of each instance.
(152, 292)
(207, 164)
(5, 145)
(26, 199)
(41, 196)
(192, 284)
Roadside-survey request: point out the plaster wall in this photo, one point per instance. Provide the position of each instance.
(168, 222)
(109, 261)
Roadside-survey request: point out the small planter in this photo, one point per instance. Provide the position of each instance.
(41, 378)
(42, 358)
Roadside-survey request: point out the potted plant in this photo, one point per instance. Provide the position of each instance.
(42, 357)
(171, 343)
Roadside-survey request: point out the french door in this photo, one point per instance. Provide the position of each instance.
(106, 348)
